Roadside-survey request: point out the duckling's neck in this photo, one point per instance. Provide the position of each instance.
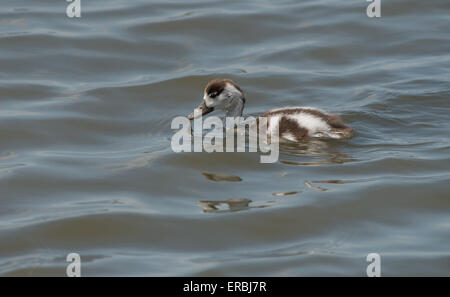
(236, 109)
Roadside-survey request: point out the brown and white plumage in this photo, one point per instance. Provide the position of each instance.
(293, 123)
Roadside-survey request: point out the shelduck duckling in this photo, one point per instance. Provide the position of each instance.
(294, 123)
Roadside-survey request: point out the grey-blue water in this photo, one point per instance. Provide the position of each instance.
(86, 164)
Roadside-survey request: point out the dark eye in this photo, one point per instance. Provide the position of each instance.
(213, 94)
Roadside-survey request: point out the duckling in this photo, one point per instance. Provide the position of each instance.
(294, 123)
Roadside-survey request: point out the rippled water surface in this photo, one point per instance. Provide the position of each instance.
(86, 164)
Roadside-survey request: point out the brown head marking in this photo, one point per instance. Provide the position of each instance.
(216, 86)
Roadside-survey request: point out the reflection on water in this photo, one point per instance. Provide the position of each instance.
(230, 205)
(280, 194)
(316, 188)
(219, 177)
(326, 151)
(330, 181)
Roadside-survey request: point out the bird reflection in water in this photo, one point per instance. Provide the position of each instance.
(220, 177)
(325, 150)
(281, 194)
(316, 148)
(315, 188)
(230, 205)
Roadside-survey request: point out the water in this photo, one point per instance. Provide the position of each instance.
(86, 164)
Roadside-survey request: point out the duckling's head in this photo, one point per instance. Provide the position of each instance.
(221, 94)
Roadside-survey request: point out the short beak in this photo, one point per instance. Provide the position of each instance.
(202, 109)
